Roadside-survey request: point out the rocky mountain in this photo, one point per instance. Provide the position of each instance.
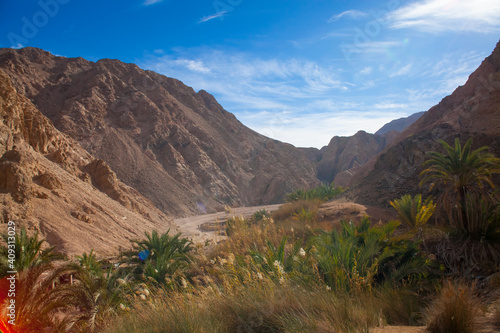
(347, 153)
(399, 125)
(177, 147)
(50, 184)
(472, 110)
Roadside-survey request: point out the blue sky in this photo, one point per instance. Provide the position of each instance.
(300, 71)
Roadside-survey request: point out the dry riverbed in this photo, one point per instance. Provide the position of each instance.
(192, 227)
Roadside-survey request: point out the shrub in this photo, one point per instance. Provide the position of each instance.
(412, 212)
(260, 215)
(455, 309)
(324, 192)
(357, 257)
(288, 210)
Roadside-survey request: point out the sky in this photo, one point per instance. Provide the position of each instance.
(300, 71)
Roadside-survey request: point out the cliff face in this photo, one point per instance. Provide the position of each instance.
(472, 110)
(49, 183)
(178, 148)
(347, 153)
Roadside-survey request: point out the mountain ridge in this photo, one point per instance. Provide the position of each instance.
(179, 148)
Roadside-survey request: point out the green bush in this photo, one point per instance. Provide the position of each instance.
(324, 192)
(358, 257)
(412, 212)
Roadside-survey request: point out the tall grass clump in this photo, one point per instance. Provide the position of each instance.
(455, 309)
(292, 209)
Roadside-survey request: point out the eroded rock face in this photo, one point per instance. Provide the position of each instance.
(347, 153)
(175, 146)
(43, 187)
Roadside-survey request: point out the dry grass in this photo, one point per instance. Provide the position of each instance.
(266, 307)
(288, 210)
(456, 309)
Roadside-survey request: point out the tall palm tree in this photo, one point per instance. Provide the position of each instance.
(462, 172)
(28, 251)
(39, 297)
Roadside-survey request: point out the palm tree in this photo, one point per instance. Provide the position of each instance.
(39, 296)
(97, 296)
(412, 212)
(160, 256)
(90, 263)
(28, 252)
(462, 172)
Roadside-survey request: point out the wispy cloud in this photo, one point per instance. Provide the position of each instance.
(308, 129)
(390, 105)
(151, 2)
(446, 74)
(366, 71)
(349, 13)
(438, 16)
(401, 71)
(374, 47)
(305, 102)
(213, 16)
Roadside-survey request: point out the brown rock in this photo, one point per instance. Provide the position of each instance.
(175, 146)
(28, 150)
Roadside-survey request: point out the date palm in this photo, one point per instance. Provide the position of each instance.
(28, 252)
(462, 172)
(39, 298)
(160, 256)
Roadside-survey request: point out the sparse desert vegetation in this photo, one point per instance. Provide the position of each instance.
(284, 271)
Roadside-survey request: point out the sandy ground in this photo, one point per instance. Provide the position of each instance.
(190, 226)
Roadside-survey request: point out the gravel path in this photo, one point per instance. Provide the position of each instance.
(190, 226)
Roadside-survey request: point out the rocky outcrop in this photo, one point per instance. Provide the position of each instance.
(343, 155)
(177, 147)
(43, 187)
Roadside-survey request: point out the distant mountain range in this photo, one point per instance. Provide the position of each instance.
(106, 148)
(399, 125)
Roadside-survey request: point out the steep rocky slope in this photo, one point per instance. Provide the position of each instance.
(179, 148)
(51, 184)
(472, 110)
(347, 153)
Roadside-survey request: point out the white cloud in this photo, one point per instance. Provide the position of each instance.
(151, 2)
(304, 102)
(437, 16)
(213, 16)
(390, 105)
(350, 13)
(374, 46)
(366, 71)
(446, 74)
(401, 71)
(315, 129)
